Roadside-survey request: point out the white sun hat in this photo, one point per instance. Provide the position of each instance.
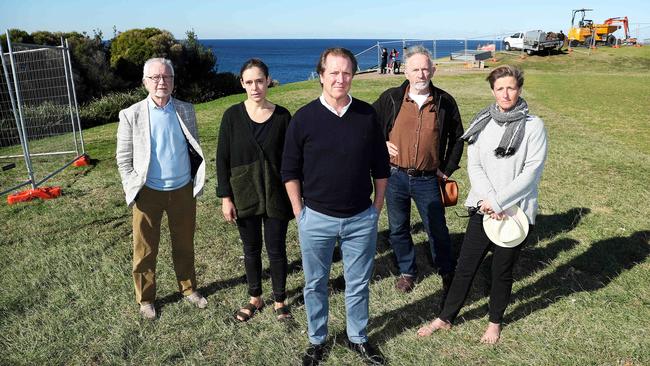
(508, 232)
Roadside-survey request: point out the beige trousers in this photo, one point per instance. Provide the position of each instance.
(180, 206)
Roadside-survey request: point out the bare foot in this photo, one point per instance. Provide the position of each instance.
(492, 333)
(435, 325)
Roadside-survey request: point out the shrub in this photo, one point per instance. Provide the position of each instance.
(93, 76)
(42, 120)
(17, 36)
(107, 109)
(105, 73)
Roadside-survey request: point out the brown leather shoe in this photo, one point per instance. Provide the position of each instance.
(405, 283)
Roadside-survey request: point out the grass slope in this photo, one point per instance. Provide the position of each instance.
(581, 294)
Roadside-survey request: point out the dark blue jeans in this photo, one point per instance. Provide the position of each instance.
(425, 193)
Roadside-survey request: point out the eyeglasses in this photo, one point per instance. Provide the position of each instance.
(157, 78)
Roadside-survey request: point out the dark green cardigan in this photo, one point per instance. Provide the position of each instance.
(248, 172)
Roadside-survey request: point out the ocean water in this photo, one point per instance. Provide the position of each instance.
(292, 60)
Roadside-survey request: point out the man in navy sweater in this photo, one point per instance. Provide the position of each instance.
(334, 151)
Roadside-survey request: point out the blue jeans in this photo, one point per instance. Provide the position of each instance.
(426, 194)
(358, 238)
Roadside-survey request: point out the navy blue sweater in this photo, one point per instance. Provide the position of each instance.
(335, 157)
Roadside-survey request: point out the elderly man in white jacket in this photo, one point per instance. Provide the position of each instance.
(163, 170)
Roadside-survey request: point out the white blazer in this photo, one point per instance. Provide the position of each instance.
(134, 146)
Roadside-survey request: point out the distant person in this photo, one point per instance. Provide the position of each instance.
(421, 126)
(506, 154)
(396, 63)
(249, 154)
(393, 57)
(333, 155)
(561, 37)
(163, 170)
(384, 60)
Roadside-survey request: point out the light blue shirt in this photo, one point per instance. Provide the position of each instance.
(169, 166)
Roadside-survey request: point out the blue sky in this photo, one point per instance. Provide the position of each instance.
(376, 19)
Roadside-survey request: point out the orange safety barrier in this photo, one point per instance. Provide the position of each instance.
(83, 160)
(44, 193)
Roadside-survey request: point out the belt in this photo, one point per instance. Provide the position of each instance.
(414, 172)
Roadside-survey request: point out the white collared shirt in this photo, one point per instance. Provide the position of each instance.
(332, 109)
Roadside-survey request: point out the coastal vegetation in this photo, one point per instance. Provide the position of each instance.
(107, 73)
(581, 294)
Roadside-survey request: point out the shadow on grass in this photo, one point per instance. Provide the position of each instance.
(384, 267)
(589, 271)
(392, 323)
(214, 287)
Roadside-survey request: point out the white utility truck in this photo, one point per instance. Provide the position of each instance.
(532, 41)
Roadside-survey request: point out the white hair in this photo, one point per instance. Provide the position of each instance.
(161, 60)
(417, 50)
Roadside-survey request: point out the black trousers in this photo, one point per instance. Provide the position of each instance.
(275, 234)
(475, 247)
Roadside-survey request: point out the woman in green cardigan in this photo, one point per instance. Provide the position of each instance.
(249, 152)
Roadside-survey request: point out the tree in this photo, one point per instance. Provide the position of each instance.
(90, 68)
(102, 68)
(93, 74)
(16, 36)
(195, 67)
(130, 49)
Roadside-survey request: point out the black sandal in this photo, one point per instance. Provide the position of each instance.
(245, 316)
(283, 313)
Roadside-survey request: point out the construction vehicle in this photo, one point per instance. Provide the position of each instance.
(588, 34)
(626, 28)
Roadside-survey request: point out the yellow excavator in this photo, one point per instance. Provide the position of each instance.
(584, 32)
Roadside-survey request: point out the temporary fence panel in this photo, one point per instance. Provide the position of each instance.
(40, 131)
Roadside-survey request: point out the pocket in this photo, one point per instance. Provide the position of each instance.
(244, 193)
(246, 185)
(302, 214)
(374, 214)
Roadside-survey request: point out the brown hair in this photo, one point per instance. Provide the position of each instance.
(505, 71)
(254, 62)
(336, 51)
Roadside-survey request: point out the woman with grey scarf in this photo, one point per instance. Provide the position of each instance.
(506, 154)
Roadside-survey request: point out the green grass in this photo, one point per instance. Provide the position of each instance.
(581, 294)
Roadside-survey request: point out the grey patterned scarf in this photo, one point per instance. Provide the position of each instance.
(515, 127)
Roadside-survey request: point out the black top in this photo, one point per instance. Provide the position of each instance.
(248, 166)
(335, 157)
(260, 129)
